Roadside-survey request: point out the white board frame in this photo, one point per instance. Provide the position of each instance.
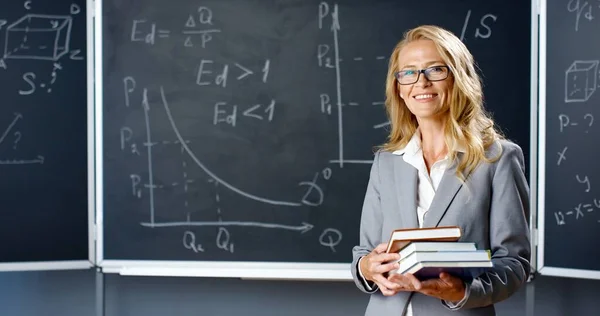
(542, 268)
(89, 263)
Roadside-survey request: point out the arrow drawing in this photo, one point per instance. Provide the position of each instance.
(335, 27)
(14, 121)
(303, 228)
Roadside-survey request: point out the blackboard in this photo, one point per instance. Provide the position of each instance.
(44, 135)
(569, 209)
(243, 131)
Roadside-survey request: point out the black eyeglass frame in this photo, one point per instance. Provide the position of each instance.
(424, 72)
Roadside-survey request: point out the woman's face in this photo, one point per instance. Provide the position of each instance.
(423, 97)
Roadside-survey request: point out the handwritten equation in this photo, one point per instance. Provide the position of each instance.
(578, 212)
(583, 11)
(199, 24)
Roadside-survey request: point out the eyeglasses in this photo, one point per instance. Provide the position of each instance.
(410, 76)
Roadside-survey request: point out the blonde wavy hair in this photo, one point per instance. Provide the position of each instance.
(467, 123)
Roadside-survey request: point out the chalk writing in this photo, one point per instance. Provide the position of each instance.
(581, 9)
(330, 237)
(15, 138)
(584, 180)
(562, 156)
(228, 114)
(41, 37)
(189, 242)
(483, 30)
(565, 121)
(579, 211)
(199, 23)
(206, 76)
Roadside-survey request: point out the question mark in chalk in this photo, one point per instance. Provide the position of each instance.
(591, 118)
(17, 139)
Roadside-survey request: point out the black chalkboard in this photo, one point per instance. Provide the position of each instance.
(43, 132)
(223, 136)
(571, 209)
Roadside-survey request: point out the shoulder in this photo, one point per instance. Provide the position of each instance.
(385, 156)
(502, 149)
(506, 154)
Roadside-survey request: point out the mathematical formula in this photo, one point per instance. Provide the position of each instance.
(583, 11)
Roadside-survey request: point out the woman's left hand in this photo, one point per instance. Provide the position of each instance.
(447, 287)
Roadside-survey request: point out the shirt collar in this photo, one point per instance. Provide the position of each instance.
(414, 145)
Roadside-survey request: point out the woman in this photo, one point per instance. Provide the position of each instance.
(444, 164)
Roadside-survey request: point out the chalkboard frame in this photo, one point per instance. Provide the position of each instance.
(534, 137)
(542, 268)
(89, 262)
(268, 270)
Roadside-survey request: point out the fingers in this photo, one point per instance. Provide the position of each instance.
(387, 284)
(450, 279)
(417, 285)
(386, 292)
(380, 248)
(374, 264)
(387, 267)
(386, 257)
(403, 283)
(432, 285)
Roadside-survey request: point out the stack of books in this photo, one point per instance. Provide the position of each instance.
(426, 252)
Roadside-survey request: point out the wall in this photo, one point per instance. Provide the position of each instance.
(72, 293)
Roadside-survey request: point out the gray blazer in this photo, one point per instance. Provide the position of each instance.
(491, 207)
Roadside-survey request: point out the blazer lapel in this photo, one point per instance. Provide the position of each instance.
(447, 190)
(406, 178)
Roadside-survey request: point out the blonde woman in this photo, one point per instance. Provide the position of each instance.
(444, 164)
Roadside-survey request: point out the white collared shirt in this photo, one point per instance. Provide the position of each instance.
(427, 185)
(427, 182)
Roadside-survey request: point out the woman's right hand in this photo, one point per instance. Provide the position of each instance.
(374, 265)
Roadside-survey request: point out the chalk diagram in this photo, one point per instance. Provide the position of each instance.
(147, 33)
(38, 36)
(581, 80)
(328, 57)
(10, 133)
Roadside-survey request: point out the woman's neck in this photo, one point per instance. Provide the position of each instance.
(433, 142)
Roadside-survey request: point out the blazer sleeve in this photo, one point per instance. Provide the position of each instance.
(509, 233)
(370, 225)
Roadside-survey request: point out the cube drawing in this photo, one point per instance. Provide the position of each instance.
(580, 80)
(38, 36)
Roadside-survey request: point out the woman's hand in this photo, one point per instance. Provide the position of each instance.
(374, 265)
(447, 287)
(405, 282)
